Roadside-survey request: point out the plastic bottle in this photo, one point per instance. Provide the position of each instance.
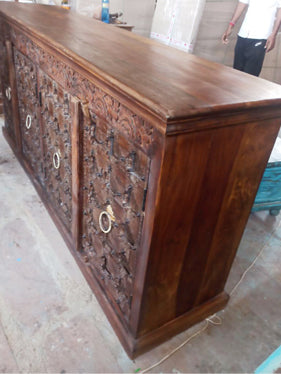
(105, 11)
(65, 4)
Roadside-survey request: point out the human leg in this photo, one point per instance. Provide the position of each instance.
(239, 58)
(254, 57)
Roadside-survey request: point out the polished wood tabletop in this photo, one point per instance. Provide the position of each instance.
(172, 83)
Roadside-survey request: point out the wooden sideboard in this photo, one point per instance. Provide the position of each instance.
(147, 158)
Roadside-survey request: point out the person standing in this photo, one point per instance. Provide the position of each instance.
(257, 34)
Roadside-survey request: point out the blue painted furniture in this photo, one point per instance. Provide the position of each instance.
(272, 364)
(269, 192)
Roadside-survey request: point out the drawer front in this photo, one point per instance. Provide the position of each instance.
(113, 190)
(56, 121)
(26, 76)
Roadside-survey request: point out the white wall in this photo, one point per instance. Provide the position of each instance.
(176, 22)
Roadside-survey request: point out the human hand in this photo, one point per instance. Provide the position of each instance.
(226, 34)
(270, 43)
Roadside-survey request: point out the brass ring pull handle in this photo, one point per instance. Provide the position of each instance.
(28, 121)
(101, 217)
(8, 93)
(109, 217)
(56, 160)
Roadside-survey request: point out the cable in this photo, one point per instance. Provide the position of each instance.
(176, 349)
(253, 263)
(246, 271)
(210, 320)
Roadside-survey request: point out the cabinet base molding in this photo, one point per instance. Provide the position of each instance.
(179, 324)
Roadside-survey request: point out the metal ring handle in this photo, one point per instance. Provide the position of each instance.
(28, 121)
(103, 229)
(56, 160)
(8, 93)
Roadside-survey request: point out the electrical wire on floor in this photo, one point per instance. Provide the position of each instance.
(214, 319)
(208, 321)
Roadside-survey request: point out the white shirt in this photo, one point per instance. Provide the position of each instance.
(259, 19)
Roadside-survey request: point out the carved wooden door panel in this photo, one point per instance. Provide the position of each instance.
(7, 91)
(26, 75)
(113, 190)
(56, 127)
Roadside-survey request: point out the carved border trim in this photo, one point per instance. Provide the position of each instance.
(138, 130)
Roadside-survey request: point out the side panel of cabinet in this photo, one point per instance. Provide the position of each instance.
(201, 219)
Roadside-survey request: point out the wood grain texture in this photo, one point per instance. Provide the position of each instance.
(76, 110)
(175, 145)
(203, 212)
(14, 97)
(9, 90)
(170, 84)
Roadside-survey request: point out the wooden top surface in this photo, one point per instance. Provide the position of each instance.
(173, 84)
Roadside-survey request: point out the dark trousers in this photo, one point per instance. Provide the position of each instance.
(249, 55)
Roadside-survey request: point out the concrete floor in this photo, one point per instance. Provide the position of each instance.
(51, 322)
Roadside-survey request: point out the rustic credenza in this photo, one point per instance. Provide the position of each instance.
(147, 158)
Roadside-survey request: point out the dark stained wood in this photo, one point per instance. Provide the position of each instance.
(26, 77)
(77, 116)
(115, 173)
(148, 160)
(57, 121)
(200, 222)
(14, 97)
(238, 199)
(180, 323)
(7, 82)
